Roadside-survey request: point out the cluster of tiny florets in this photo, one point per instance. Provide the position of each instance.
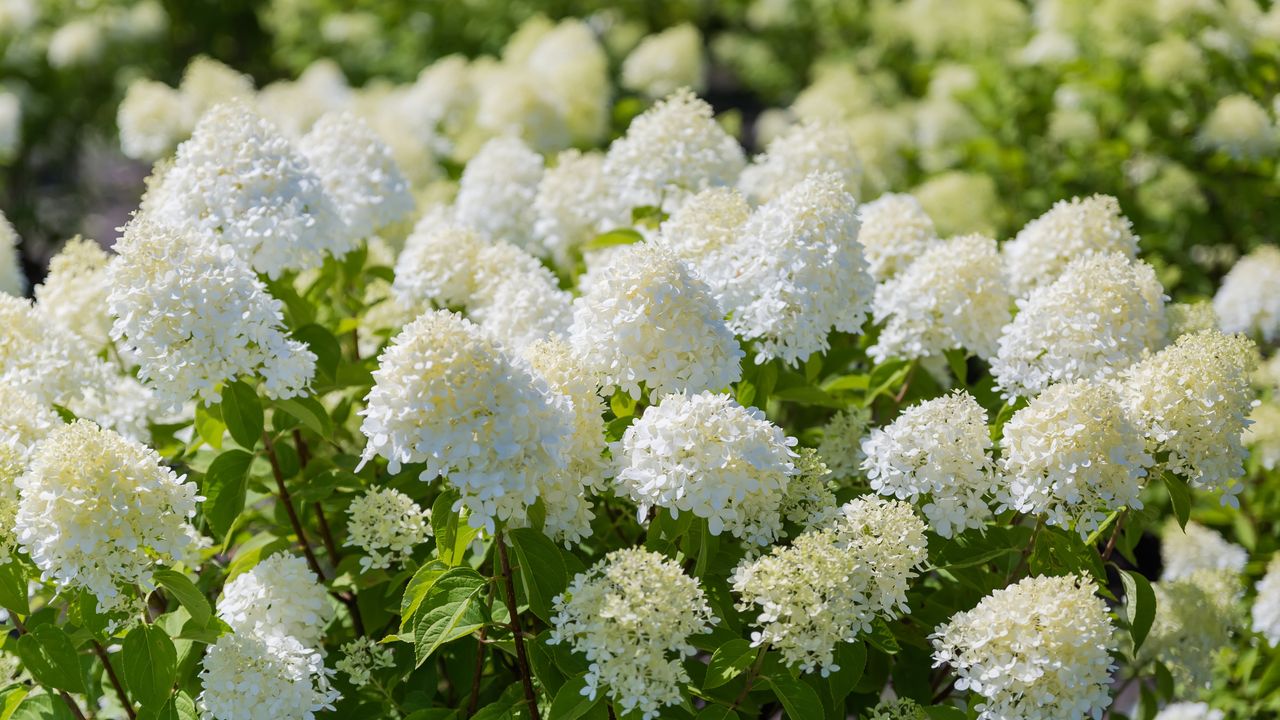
(278, 596)
(1196, 616)
(361, 658)
(1070, 229)
(271, 677)
(895, 231)
(1248, 301)
(1266, 608)
(841, 444)
(358, 171)
(1184, 551)
(387, 525)
(803, 150)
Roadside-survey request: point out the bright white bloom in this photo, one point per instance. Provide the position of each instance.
(811, 497)
(74, 293)
(295, 105)
(1195, 619)
(24, 420)
(1093, 321)
(153, 118)
(1189, 711)
(517, 300)
(647, 319)
(665, 62)
(938, 452)
(632, 615)
(572, 72)
(447, 395)
(1240, 127)
(497, 190)
(194, 316)
(362, 657)
(1186, 318)
(1072, 456)
(12, 280)
(1183, 552)
(207, 82)
(386, 524)
(804, 149)
(358, 172)
(828, 586)
(278, 596)
(672, 150)
(702, 232)
(511, 103)
(247, 677)
(564, 491)
(572, 204)
(1263, 434)
(952, 297)
(1039, 650)
(12, 465)
(437, 264)
(708, 455)
(895, 231)
(841, 445)
(1248, 301)
(1191, 400)
(1070, 229)
(79, 42)
(10, 125)
(799, 271)
(959, 202)
(1266, 607)
(240, 182)
(97, 511)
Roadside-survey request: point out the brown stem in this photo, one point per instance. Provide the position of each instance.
(66, 698)
(526, 676)
(1115, 534)
(115, 680)
(751, 676)
(474, 700)
(1026, 554)
(288, 507)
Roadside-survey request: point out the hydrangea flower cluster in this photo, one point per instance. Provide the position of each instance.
(705, 228)
(97, 511)
(278, 596)
(1248, 301)
(829, 585)
(632, 615)
(842, 438)
(74, 293)
(710, 456)
(264, 677)
(938, 452)
(358, 172)
(805, 149)
(1070, 229)
(1072, 456)
(1099, 316)
(1185, 551)
(386, 524)
(895, 231)
(572, 204)
(1266, 609)
(1195, 619)
(665, 62)
(361, 658)
(12, 281)
(497, 190)
(1038, 649)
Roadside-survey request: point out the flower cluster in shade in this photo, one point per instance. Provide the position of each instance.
(632, 615)
(386, 525)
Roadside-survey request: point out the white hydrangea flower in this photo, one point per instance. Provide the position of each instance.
(1071, 228)
(804, 149)
(1263, 434)
(632, 615)
(437, 264)
(572, 204)
(1186, 551)
(238, 180)
(1072, 456)
(664, 62)
(1037, 650)
(12, 280)
(564, 492)
(386, 524)
(810, 497)
(1191, 400)
(24, 420)
(832, 582)
(247, 677)
(959, 202)
(12, 465)
(710, 456)
(98, 511)
(497, 191)
(703, 231)
(74, 293)
(1240, 127)
(153, 118)
(1186, 318)
(1266, 607)
(358, 172)
(954, 296)
(279, 596)
(799, 271)
(517, 300)
(295, 105)
(841, 445)
(447, 395)
(1248, 301)
(362, 657)
(572, 72)
(194, 315)
(510, 102)
(80, 41)
(1195, 619)
(207, 82)
(672, 150)
(1093, 321)
(895, 231)
(1189, 711)
(647, 319)
(938, 451)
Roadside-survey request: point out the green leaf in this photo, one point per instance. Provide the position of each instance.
(881, 637)
(10, 698)
(621, 236)
(186, 593)
(944, 712)
(452, 535)
(150, 665)
(309, 412)
(717, 712)
(1180, 496)
(809, 395)
(728, 662)
(45, 706)
(47, 653)
(451, 609)
(209, 425)
(798, 699)
(571, 704)
(242, 412)
(224, 487)
(325, 346)
(13, 588)
(541, 569)
(852, 659)
(957, 361)
(622, 404)
(1139, 606)
(1270, 678)
(417, 589)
